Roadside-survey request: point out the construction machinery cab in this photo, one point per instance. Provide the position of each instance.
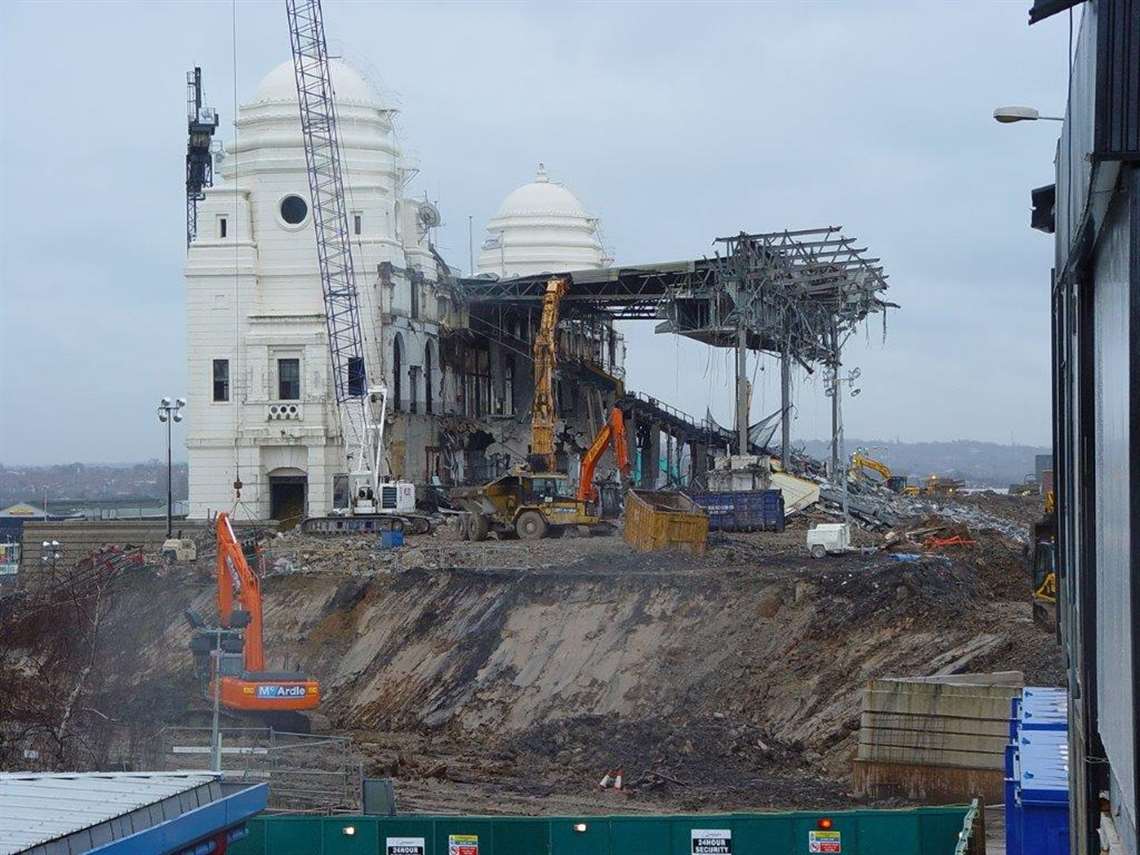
(544, 486)
(529, 504)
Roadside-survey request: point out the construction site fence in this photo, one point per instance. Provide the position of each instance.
(306, 773)
(925, 830)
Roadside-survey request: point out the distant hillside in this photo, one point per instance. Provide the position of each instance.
(83, 482)
(982, 464)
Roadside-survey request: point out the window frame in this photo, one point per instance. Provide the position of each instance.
(214, 381)
(281, 360)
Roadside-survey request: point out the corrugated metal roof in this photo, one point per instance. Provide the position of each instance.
(37, 808)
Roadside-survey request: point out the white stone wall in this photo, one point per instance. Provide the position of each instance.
(255, 296)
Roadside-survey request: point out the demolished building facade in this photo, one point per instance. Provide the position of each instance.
(264, 436)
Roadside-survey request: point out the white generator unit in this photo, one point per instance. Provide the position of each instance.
(398, 497)
(829, 539)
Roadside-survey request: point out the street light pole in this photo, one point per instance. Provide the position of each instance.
(169, 485)
(215, 729)
(1009, 115)
(170, 411)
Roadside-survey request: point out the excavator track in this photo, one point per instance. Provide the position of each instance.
(412, 524)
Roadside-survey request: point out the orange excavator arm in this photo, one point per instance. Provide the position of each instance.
(545, 358)
(612, 432)
(235, 578)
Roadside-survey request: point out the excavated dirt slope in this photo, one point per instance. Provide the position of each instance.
(715, 683)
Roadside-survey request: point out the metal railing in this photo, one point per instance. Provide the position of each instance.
(306, 773)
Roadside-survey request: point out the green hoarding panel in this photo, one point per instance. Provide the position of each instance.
(464, 836)
(350, 836)
(841, 837)
(714, 827)
(940, 827)
(922, 831)
(293, 836)
(771, 833)
(399, 833)
(521, 837)
(638, 836)
(593, 838)
(885, 832)
(253, 843)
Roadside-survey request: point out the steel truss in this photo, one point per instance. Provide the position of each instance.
(791, 292)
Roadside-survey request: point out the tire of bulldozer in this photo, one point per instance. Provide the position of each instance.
(479, 526)
(420, 525)
(530, 526)
(818, 551)
(453, 527)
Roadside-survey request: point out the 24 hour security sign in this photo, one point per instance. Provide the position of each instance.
(712, 841)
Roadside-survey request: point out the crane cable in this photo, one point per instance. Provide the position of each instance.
(235, 381)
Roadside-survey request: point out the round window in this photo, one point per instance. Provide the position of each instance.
(294, 209)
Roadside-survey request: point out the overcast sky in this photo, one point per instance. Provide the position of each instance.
(673, 123)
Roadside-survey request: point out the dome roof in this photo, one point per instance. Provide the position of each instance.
(281, 85)
(541, 197)
(541, 227)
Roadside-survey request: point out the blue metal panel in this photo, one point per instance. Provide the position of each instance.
(743, 510)
(192, 827)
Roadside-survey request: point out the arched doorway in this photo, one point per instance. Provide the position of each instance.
(397, 372)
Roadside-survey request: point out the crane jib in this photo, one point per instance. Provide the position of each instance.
(326, 187)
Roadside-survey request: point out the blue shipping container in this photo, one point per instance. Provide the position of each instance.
(746, 510)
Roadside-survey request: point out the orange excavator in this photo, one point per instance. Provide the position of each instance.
(612, 433)
(245, 686)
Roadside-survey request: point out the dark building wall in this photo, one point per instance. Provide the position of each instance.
(1096, 372)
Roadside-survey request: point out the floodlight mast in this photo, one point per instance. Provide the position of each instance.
(361, 408)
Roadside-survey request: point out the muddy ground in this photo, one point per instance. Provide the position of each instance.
(508, 677)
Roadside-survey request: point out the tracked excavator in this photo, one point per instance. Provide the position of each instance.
(861, 461)
(611, 434)
(231, 655)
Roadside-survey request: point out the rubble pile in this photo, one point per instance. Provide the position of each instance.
(510, 675)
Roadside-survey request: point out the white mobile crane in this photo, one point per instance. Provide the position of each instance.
(376, 502)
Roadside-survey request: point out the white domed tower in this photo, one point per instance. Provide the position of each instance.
(541, 227)
(260, 400)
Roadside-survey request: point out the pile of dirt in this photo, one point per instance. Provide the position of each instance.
(485, 676)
